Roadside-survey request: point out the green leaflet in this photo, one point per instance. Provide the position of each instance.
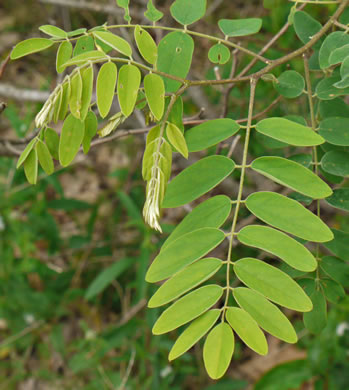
(292, 175)
(211, 213)
(185, 280)
(83, 45)
(152, 13)
(288, 131)
(128, 85)
(247, 329)
(106, 82)
(53, 31)
(336, 163)
(188, 185)
(154, 89)
(344, 70)
(188, 11)
(336, 269)
(76, 32)
(335, 130)
(85, 57)
(332, 41)
(31, 166)
(333, 291)
(240, 27)
(339, 245)
(86, 93)
(219, 54)
(70, 141)
(218, 350)
(187, 308)
(30, 46)
(326, 90)
(339, 199)
(26, 152)
(316, 320)
(194, 332)
(64, 101)
(125, 5)
(52, 142)
(306, 27)
(210, 133)
(267, 315)
(177, 140)
(290, 84)
(146, 45)
(288, 215)
(57, 105)
(182, 252)
(272, 283)
(44, 157)
(117, 43)
(279, 244)
(64, 53)
(338, 55)
(91, 125)
(175, 53)
(76, 94)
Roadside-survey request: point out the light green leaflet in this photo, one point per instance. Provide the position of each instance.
(288, 215)
(91, 125)
(177, 140)
(339, 199)
(240, 27)
(52, 142)
(53, 31)
(64, 101)
(26, 152)
(247, 329)
(182, 252)
(306, 27)
(76, 32)
(218, 350)
(194, 332)
(86, 93)
(335, 130)
(64, 53)
(154, 89)
(128, 85)
(71, 138)
(187, 308)
(272, 283)
(117, 43)
(75, 94)
(292, 175)
(188, 11)
(279, 244)
(288, 131)
(211, 213)
(57, 105)
(152, 13)
(146, 45)
(316, 320)
(185, 280)
(175, 53)
(85, 57)
(267, 315)
(83, 45)
(106, 82)
(219, 54)
(31, 166)
(188, 185)
(44, 157)
(290, 84)
(29, 46)
(336, 163)
(331, 42)
(210, 133)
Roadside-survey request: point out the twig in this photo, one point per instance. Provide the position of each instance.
(86, 5)
(3, 65)
(132, 312)
(22, 333)
(259, 114)
(233, 146)
(128, 371)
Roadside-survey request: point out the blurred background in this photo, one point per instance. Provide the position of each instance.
(74, 249)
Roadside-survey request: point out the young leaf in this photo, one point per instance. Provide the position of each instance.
(91, 125)
(175, 54)
(75, 94)
(279, 244)
(52, 142)
(272, 283)
(185, 280)
(247, 329)
(240, 27)
(106, 82)
(117, 43)
(64, 53)
(188, 11)
(292, 175)
(31, 167)
(336, 163)
(30, 46)
(57, 104)
(194, 332)
(290, 84)
(339, 199)
(70, 141)
(219, 54)
(288, 215)
(26, 152)
(316, 320)
(267, 315)
(53, 31)
(154, 89)
(83, 45)
(218, 350)
(188, 185)
(146, 45)
(335, 130)
(87, 87)
(288, 131)
(187, 308)
(64, 101)
(44, 157)
(128, 85)
(177, 139)
(152, 13)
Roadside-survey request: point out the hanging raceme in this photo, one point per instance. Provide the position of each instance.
(302, 153)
